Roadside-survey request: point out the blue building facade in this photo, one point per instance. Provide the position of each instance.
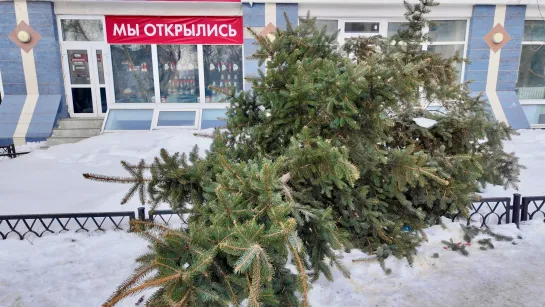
(38, 87)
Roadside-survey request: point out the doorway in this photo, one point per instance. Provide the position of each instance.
(85, 75)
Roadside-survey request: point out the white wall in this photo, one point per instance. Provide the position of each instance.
(359, 11)
(73, 7)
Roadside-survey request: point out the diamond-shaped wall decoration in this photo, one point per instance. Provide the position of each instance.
(489, 38)
(268, 31)
(34, 36)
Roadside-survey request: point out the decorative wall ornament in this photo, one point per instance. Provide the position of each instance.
(497, 38)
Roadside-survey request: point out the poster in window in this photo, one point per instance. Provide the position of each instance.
(79, 66)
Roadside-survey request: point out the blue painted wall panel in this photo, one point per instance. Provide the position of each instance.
(43, 118)
(47, 51)
(250, 67)
(10, 111)
(513, 111)
(478, 52)
(289, 10)
(11, 66)
(253, 16)
(250, 47)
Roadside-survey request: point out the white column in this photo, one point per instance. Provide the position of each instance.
(493, 70)
(31, 80)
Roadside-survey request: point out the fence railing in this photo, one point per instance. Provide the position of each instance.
(40, 224)
(484, 212)
(10, 152)
(488, 211)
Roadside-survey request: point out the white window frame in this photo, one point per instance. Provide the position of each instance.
(532, 101)
(155, 119)
(536, 102)
(426, 30)
(157, 106)
(383, 30)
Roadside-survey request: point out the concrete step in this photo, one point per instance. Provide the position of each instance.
(79, 132)
(80, 123)
(63, 140)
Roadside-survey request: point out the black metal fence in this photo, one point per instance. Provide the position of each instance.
(484, 212)
(40, 224)
(10, 152)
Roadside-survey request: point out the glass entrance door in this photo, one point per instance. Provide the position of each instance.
(85, 79)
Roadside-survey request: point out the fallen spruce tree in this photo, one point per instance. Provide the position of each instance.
(333, 148)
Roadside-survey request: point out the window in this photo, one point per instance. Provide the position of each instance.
(362, 27)
(448, 37)
(531, 76)
(213, 118)
(222, 70)
(129, 120)
(132, 73)
(393, 27)
(176, 119)
(178, 73)
(535, 114)
(331, 26)
(82, 30)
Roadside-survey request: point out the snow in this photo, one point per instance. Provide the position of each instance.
(529, 146)
(424, 122)
(51, 181)
(83, 269)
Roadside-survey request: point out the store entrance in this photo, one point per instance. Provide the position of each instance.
(85, 78)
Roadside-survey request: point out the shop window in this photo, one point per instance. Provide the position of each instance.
(362, 27)
(535, 114)
(448, 51)
(178, 73)
(448, 37)
(331, 26)
(176, 119)
(132, 73)
(448, 31)
(82, 30)
(222, 70)
(531, 76)
(534, 31)
(129, 120)
(394, 27)
(213, 118)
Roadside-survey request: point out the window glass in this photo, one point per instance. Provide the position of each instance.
(448, 31)
(82, 30)
(129, 120)
(176, 118)
(82, 100)
(534, 30)
(332, 26)
(531, 79)
(178, 73)
(448, 51)
(78, 61)
(222, 69)
(132, 73)
(393, 27)
(535, 114)
(213, 118)
(362, 27)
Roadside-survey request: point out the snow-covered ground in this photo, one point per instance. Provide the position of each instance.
(51, 181)
(79, 269)
(83, 270)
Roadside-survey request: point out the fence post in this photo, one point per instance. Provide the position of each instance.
(11, 151)
(142, 213)
(516, 209)
(524, 211)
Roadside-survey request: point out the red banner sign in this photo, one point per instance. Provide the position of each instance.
(174, 30)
